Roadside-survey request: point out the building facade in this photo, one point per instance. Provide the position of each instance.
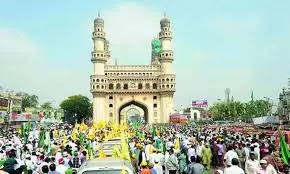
(149, 87)
(10, 102)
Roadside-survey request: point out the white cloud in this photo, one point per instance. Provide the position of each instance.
(130, 27)
(24, 67)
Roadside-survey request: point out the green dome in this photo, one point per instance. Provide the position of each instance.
(156, 46)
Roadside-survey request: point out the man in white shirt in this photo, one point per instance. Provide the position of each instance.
(265, 168)
(191, 152)
(158, 167)
(251, 164)
(234, 169)
(199, 148)
(229, 156)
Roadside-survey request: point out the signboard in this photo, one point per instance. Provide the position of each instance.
(3, 104)
(199, 103)
(178, 118)
(25, 117)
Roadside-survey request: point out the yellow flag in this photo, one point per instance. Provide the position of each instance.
(123, 170)
(83, 126)
(102, 154)
(124, 145)
(64, 141)
(91, 134)
(177, 145)
(101, 124)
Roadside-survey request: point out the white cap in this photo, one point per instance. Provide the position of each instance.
(263, 162)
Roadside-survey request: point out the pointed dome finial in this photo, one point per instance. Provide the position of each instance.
(99, 19)
(165, 20)
(164, 14)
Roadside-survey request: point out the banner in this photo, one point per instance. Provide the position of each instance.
(24, 117)
(199, 103)
(3, 104)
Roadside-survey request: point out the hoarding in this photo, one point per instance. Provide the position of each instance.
(25, 117)
(199, 103)
(3, 104)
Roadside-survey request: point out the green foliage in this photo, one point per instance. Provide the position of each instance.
(76, 105)
(234, 110)
(28, 100)
(186, 110)
(46, 105)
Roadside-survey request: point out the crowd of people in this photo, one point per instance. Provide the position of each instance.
(168, 150)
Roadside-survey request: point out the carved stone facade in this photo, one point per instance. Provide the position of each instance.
(150, 87)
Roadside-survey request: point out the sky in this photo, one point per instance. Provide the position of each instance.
(241, 45)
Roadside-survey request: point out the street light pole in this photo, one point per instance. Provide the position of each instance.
(269, 105)
(219, 106)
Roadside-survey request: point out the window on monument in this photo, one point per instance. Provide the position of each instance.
(147, 85)
(154, 86)
(154, 97)
(111, 86)
(140, 86)
(167, 86)
(98, 80)
(111, 97)
(167, 80)
(125, 86)
(155, 105)
(195, 116)
(110, 105)
(118, 86)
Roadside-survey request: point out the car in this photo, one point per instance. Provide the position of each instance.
(106, 166)
(108, 147)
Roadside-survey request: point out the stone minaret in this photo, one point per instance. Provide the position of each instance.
(99, 60)
(167, 77)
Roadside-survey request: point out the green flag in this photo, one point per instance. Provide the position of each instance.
(136, 125)
(41, 139)
(153, 132)
(284, 148)
(164, 147)
(82, 138)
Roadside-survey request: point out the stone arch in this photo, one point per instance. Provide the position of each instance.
(136, 103)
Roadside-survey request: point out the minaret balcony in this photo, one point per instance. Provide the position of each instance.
(99, 34)
(98, 56)
(165, 35)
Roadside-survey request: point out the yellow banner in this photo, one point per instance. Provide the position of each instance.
(3, 108)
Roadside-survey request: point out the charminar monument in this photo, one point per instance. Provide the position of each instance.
(122, 92)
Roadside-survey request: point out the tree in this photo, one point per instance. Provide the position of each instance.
(28, 100)
(186, 110)
(233, 110)
(46, 105)
(76, 107)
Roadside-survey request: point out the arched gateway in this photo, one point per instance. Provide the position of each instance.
(125, 116)
(148, 87)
